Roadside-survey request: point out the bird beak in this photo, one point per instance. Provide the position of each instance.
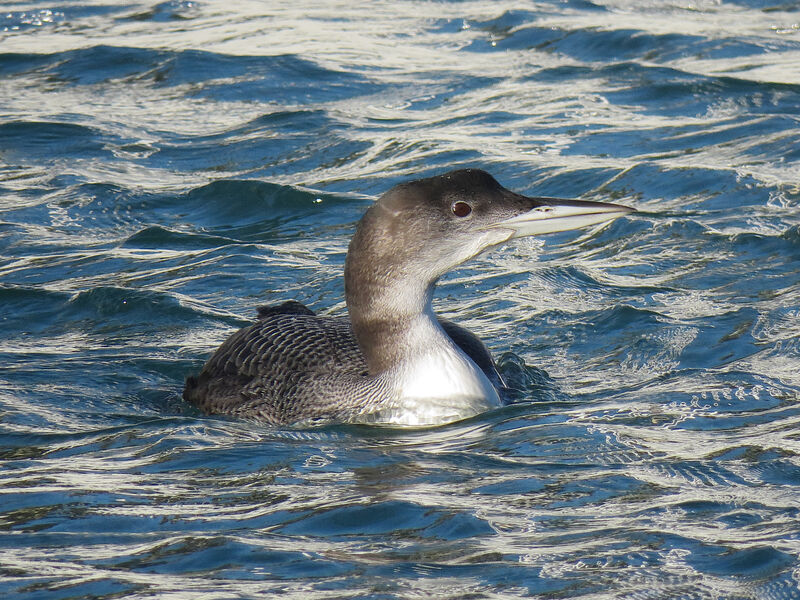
(550, 215)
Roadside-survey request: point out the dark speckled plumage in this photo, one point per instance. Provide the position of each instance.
(284, 367)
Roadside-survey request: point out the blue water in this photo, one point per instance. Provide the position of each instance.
(165, 168)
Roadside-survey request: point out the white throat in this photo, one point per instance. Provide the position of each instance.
(437, 383)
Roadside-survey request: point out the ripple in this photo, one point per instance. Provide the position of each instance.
(40, 139)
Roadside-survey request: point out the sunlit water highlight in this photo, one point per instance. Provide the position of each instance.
(164, 168)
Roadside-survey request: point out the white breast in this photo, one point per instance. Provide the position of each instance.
(438, 387)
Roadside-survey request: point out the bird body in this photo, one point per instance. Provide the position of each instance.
(391, 360)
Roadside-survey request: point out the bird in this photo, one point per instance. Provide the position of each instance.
(391, 360)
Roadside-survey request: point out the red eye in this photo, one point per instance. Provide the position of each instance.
(461, 209)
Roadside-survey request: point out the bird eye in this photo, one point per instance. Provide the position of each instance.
(461, 209)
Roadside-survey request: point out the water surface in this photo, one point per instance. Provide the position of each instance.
(164, 168)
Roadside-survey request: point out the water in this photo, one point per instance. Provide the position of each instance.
(164, 168)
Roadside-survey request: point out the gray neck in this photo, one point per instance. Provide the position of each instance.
(391, 323)
(425, 378)
(388, 290)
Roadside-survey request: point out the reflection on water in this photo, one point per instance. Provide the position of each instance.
(167, 167)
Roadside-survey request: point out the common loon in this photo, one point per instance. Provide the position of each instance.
(393, 361)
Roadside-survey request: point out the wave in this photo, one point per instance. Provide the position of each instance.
(240, 78)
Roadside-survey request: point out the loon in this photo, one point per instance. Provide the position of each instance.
(393, 361)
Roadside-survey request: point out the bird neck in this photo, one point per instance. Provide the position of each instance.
(428, 379)
(393, 322)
